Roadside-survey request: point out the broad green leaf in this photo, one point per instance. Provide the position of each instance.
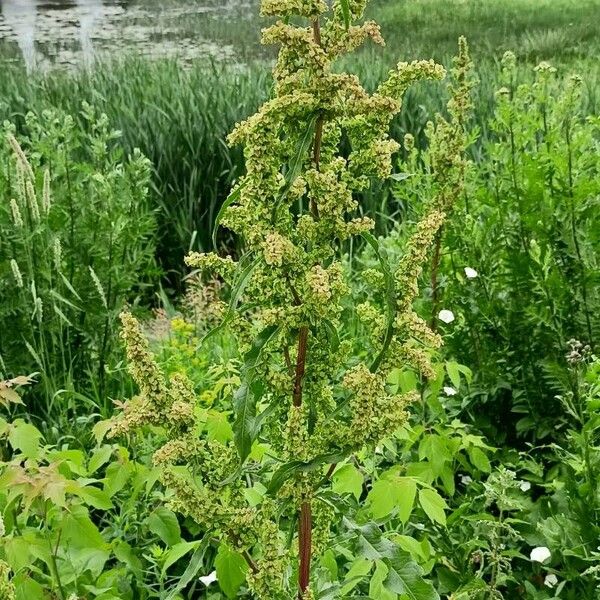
(194, 566)
(412, 546)
(381, 499)
(479, 459)
(452, 368)
(17, 552)
(165, 525)
(406, 577)
(80, 532)
(92, 496)
(124, 552)
(392, 493)
(176, 552)
(348, 480)
(328, 561)
(406, 490)
(231, 570)
(377, 590)
(26, 438)
(218, 427)
(100, 456)
(117, 476)
(433, 505)
(357, 572)
(28, 589)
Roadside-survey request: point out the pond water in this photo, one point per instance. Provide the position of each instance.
(44, 33)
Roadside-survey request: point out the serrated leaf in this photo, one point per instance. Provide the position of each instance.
(348, 480)
(26, 438)
(433, 505)
(479, 459)
(406, 577)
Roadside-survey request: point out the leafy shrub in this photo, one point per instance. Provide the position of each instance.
(76, 243)
(518, 265)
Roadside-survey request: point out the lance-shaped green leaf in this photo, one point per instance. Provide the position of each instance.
(248, 394)
(390, 297)
(345, 4)
(233, 197)
(237, 289)
(296, 162)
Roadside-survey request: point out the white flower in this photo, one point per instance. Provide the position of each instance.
(470, 273)
(208, 579)
(540, 554)
(466, 479)
(525, 486)
(550, 580)
(449, 391)
(447, 316)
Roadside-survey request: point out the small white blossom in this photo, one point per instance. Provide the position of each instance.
(447, 316)
(540, 554)
(550, 580)
(466, 479)
(471, 273)
(449, 391)
(208, 579)
(525, 486)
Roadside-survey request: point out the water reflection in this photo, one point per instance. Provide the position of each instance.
(91, 13)
(21, 16)
(74, 32)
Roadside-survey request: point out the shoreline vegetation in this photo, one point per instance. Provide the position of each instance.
(487, 484)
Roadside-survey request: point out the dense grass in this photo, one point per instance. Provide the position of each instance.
(179, 117)
(558, 30)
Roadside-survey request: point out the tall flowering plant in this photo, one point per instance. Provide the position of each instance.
(307, 401)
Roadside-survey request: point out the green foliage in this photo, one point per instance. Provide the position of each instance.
(76, 243)
(304, 397)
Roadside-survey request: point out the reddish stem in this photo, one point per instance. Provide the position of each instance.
(305, 543)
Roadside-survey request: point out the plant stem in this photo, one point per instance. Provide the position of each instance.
(305, 546)
(300, 365)
(434, 279)
(305, 522)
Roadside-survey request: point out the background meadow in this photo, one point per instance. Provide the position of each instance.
(122, 110)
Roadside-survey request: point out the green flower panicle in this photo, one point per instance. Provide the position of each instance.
(305, 394)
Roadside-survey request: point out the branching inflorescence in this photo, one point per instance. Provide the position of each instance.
(303, 392)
